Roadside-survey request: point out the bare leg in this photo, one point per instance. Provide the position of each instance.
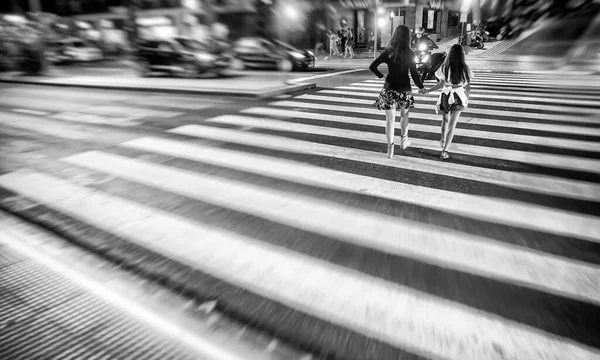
(390, 117)
(404, 127)
(445, 119)
(454, 115)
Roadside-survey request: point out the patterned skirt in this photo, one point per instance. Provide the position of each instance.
(392, 99)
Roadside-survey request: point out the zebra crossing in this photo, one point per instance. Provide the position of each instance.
(494, 254)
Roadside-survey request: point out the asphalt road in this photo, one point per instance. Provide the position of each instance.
(289, 213)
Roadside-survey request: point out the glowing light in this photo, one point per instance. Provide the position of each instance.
(291, 12)
(381, 11)
(466, 5)
(382, 22)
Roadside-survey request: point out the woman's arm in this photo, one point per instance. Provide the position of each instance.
(415, 74)
(468, 90)
(437, 86)
(380, 60)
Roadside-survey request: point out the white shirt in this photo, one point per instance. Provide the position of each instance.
(451, 89)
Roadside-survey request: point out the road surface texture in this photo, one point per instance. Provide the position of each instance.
(63, 302)
(291, 217)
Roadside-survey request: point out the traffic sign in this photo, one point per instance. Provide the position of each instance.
(463, 17)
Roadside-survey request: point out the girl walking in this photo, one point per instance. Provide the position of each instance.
(396, 93)
(455, 78)
(333, 44)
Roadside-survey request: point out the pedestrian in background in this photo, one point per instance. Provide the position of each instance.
(396, 93)
(342, 36)
(333, 43)
(455, 78)
(349, 44)
(321, 35)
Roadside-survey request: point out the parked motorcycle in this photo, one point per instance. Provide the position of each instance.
(476, 41)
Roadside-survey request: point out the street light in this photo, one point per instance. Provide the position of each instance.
(291, 12)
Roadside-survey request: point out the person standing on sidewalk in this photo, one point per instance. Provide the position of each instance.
(396, 93)
(321, 35)
(342, 35)
(455, 78)
(333, 44)
(349, 44)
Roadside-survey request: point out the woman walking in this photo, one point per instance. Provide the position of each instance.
(455, 78)
(396, 93)
(349, 44)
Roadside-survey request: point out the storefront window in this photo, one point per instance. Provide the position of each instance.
(453, 18)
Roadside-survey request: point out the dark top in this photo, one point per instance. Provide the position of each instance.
(397, 78)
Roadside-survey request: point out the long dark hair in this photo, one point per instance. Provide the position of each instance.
(399, 43)
(455, 62)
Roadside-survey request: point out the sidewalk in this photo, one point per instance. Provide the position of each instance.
(488, 59)
(235, 84)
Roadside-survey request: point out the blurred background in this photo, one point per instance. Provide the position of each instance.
(37, 33)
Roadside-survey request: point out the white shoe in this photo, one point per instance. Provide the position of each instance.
(405, 143)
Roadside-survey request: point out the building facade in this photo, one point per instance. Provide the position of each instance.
(439, 18)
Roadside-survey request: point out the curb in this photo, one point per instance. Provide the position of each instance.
(286, 89)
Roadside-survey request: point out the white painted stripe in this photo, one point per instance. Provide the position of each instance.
(325, 75)
(456, 252)
(542, 184)
(501, 94)
(432, 100)
(528, 157)
(519, 81)
(477, 80)
(373, 111)
(501, 89)
(559, 128)
(31, 112)
(45, 127)
(537, 103)
(17, 240)
(487, 135)
(474, 206)
(434, 244)
(78, 117)
(365, 304)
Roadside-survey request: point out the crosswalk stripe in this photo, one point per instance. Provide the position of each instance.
(519, 81)
(473, 101)
(499, 94)
(477, 80)
(432, 100)
(533, 158)
(479, 207)
(504, 88)
(46, 127)
(373, 111)
(365, 304)
(541, 184)
(524, 139)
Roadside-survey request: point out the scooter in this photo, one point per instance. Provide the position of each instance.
(476, 42)
(423, 60)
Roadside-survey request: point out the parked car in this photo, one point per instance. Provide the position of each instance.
(261, 53)
(72, 50)
(182, 56)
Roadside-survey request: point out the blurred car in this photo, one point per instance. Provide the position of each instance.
(181, 56)
(261, 53)
(72, 50)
